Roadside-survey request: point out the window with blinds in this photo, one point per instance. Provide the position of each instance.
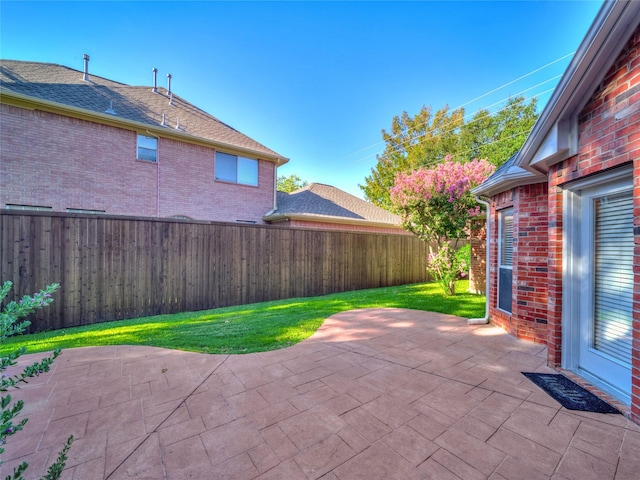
(505, 260)
(613, 279)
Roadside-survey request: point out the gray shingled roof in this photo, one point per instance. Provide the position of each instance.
(318, 200)
(65, 86)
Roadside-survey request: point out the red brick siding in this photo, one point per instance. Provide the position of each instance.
(478, 267)
(528, 319)
(530, 246)
(609, 136)
(62, 162)
(554, 277)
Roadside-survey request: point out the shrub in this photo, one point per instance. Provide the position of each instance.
(11, 324)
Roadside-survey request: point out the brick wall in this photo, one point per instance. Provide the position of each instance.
(530, 245)
(528, 319)
(478, 267)
(609, 137)
(62, 162)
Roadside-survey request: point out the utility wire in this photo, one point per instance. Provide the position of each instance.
(477, 98)
(401, 146)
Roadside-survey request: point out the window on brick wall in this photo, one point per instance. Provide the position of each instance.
(38, 208)
(231, 168)
(147, 148)
(505, 259)
(84, 210)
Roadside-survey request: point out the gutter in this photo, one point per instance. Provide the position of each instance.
(19, 100)
(484, 320)
(283, 217)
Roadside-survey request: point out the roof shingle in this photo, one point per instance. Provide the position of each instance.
(65, 86)
(318, 199)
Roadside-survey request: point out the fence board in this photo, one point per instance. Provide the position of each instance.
(114, 268)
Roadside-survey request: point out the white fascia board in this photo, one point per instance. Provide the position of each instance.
(512, 177)
(559, 144)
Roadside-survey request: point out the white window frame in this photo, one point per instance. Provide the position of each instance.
(84, 210)
(146, 148)
(241, 163)
(501, 215)
(35, 208)
(573, 269)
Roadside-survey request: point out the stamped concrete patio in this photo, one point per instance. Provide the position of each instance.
(374, 394)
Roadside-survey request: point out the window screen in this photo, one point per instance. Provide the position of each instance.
(505, 260)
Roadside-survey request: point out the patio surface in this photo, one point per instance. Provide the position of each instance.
(374, 394)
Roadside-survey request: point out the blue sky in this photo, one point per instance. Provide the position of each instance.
(314, 81)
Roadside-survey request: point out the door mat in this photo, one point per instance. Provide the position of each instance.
(569, 394)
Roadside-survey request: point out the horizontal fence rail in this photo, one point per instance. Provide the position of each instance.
(113, 268)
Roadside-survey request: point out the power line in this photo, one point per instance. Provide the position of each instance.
(408, 141)
(511, 82)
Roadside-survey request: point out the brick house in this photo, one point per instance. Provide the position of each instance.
(72, 141)
(564, 218)
(320, 206)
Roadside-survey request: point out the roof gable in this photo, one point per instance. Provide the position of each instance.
(319, 202)
(108, 100)
(554, 136)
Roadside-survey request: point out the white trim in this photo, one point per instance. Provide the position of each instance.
(573, 270)
(501, 214)
(607, 36)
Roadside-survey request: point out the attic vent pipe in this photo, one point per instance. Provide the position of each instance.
(155, 80)
(85, 76)
(168, 84)
(110, 109)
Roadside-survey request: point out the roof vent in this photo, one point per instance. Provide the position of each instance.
(110, 109)
(168, 83)
(155, 80)
(85, 76)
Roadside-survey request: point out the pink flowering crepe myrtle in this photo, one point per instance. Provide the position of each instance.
(436, 204)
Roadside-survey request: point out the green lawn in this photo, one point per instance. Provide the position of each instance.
(249, 328)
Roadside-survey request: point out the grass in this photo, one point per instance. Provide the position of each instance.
(249, 328)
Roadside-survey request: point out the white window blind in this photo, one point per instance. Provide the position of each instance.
(613, 282)
(505, 261)
(506, 254)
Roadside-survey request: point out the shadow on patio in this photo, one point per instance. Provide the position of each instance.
(375, 394)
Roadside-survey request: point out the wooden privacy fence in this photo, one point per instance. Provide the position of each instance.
(114, 268)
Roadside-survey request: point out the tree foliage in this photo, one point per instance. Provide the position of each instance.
(436, 204)
(428, 137)
(290, 184)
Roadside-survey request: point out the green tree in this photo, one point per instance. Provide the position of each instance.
(411, 143)
(290, 184)
(497, 137)
(436, 205)
(427, 138)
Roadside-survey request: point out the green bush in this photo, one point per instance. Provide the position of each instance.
(11, 324)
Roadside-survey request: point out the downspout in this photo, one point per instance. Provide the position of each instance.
(157, 175)
(275, 188)
(485, 319)
(275, 193)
